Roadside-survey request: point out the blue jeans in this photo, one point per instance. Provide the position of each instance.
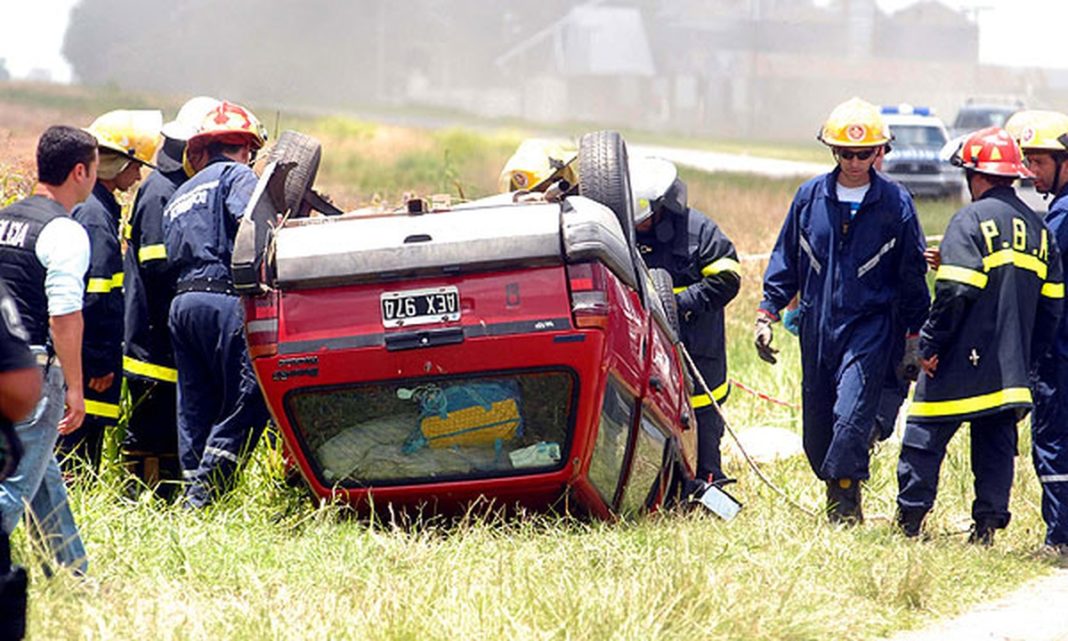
(38, 481)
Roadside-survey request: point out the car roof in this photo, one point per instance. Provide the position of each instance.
(913, 119)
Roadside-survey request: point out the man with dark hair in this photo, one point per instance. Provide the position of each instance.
(998, 296)
(150, 447)
(217, 423)
(44, 255)
(128, 141)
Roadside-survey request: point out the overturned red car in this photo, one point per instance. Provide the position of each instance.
(513, 348)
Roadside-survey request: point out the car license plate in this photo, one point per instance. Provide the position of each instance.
(420, 306)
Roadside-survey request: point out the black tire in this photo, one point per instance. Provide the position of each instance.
(665, 291)
(306, 152)
(604, 176)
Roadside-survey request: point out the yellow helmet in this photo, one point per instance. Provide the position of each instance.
(1038, 130)
(134, 134)
(535, 162)
(855, 123)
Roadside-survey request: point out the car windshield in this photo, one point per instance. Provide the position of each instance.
(981, 118)
(434, 430)
(924, 136)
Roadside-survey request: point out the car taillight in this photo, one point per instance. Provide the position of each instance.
(261, 324)
(589, 295)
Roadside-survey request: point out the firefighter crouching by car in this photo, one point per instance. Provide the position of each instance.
(150, 446)
(221, 412)
(998, 297)
(127, 141)
(1043, 138)
(852, 247)
(705, 271)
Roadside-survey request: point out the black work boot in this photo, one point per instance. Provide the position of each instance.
(910, 522)
(843, 501)
(982, 532)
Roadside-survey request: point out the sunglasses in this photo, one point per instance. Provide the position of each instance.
(850, 155)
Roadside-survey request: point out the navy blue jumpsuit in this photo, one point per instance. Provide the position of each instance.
(148, 358)
(853, 275)
(704, 269)
(103, 317)
(998, 298)
(1049, 423)
(221, 412)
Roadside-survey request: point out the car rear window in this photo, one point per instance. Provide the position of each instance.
(429, 430)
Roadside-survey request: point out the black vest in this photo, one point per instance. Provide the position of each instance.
(20, 226)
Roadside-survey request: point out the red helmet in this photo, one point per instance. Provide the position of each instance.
(992, 151)
(231, 124)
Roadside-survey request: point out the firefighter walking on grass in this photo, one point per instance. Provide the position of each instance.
(998, 297)
(852, 247)
(1043, 138)
(150, 447)
(704, 268)
(221, 412)
(128, 141)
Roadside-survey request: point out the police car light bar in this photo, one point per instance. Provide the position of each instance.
(906, 109)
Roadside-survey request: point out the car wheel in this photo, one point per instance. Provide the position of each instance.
(665, 291)
(604, 176)
(306, 152)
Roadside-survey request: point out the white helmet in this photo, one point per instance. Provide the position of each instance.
(650, 180)
(189, 118)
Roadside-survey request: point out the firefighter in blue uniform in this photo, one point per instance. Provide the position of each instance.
(128, 140)
(1043, 137)
(998, 298)
(852, 247)
(150, 446)
(221, 412)
(704, 268)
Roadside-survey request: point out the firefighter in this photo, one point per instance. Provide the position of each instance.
(221, 412)
(704, 268)
(998, 297)
(1043, 137)
(150, 447)
(852, 247)
(128, 141)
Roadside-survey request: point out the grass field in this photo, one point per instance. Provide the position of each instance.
(267, 563)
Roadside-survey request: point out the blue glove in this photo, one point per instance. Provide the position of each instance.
(791, 320)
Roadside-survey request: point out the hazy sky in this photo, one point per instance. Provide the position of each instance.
(1012, 32)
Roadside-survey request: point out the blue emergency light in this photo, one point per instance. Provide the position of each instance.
(906, 109)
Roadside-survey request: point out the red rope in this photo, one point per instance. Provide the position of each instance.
(762, 395)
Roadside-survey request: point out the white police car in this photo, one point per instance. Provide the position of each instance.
(913, 160)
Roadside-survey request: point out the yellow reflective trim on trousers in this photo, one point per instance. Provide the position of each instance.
(1017, 259)
(151, 252)
(104, 285)
(962, 275)
(972, 404)
(679, 290)
(99, 408)
(701, 400)
(1053, 290)
(720, 266)
(141, 368)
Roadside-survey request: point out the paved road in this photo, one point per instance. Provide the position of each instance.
(715, 161)
(1035, 612)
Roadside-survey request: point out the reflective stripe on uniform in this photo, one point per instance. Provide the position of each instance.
(701, 400)
(104, 285)
(99, 408)
(805, 247)
(1053, 478)
(141, 368)
(220, 453)
(1017, 259)
(722, 265)
(971, 404)
(1053, 290)
(151, 252)
(874, 260)
(962, 275)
